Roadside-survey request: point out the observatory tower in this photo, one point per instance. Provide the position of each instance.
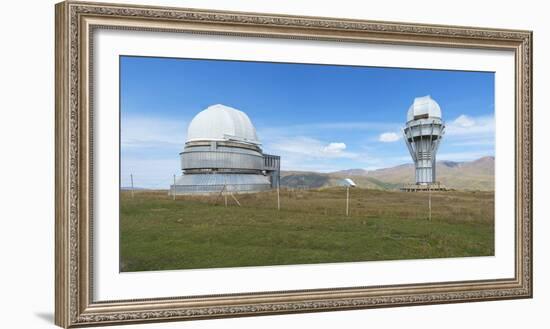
(222, 153)
(423, 133)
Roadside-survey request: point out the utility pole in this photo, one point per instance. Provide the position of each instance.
(278, 196)
(225, 194)
(132, 184)
(225, 189)
(429, 203)
(174, 192)
(347, 201)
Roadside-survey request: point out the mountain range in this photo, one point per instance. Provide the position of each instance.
(468, 175)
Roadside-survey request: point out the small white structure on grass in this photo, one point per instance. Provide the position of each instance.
(347, 182)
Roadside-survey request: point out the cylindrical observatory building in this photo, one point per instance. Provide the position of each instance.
(222, 153)
(423, 133)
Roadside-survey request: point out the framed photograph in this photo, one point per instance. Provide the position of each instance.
(217, 164)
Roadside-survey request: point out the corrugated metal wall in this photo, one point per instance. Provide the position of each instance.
(208, 168)
(221, 160)
(208, 183)
(423, 137)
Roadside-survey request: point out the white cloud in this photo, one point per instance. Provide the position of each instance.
(477, 142)
(310, 147)
(473, 132)
(150, 173)
(388, 137)
(464, 121)
(346, 125)
(143, 131)
(150, 148)
(311, 129)
(334, 148)
(305, 147)
(293, 163)
(311, 154)
(465, 125)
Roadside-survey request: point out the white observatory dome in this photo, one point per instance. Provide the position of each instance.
(424, 107)
(219, 122)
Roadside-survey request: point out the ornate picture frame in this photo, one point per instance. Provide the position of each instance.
(75, 24)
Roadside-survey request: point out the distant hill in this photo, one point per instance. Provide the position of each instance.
(305, 180)
(129, 188)
(471, 175)
(351, 172)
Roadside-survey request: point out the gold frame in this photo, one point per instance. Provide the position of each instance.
(75, 23)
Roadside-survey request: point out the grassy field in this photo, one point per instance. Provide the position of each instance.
(158, 233)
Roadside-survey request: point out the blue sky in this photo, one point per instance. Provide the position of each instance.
(316, 117)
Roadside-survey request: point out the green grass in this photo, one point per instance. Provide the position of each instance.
(158, 233)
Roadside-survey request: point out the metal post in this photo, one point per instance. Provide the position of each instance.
(278, 197)
(234, 198)
(347, 201)
(132, 184)
(429, 203)
(174, 192)
(225, 189)
(225, 194)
